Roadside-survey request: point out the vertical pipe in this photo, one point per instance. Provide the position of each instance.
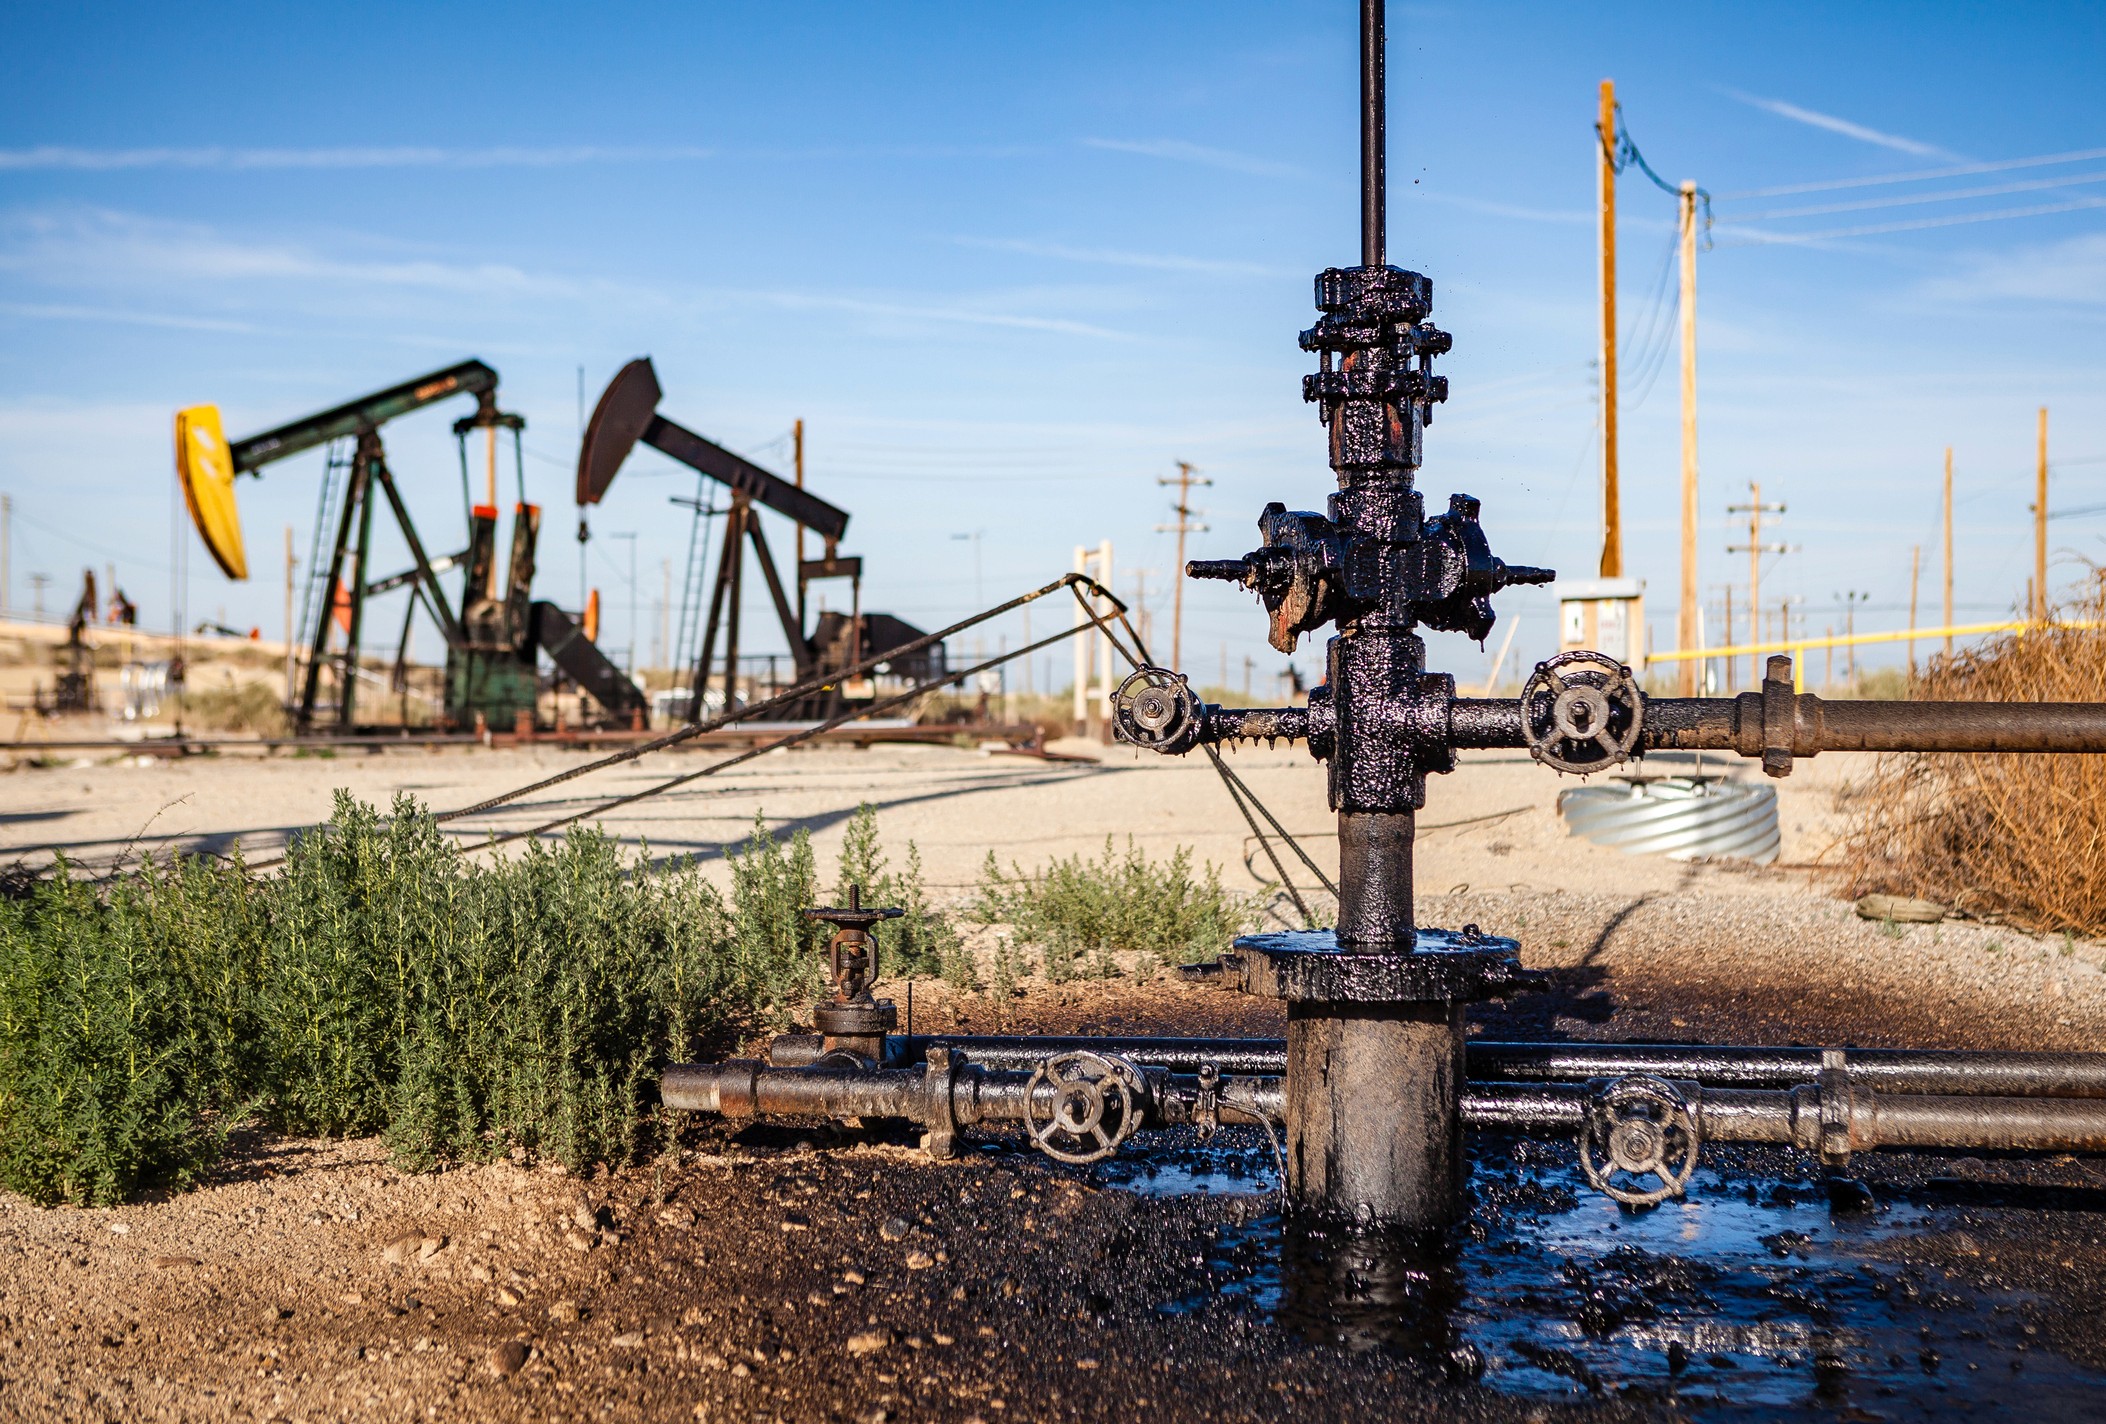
(1686, 623)
(1375, 881)
(290, 633)
(1373, 182)
(1611, 491)
(1374, 1119)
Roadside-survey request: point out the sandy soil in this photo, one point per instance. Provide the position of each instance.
(751, 1278)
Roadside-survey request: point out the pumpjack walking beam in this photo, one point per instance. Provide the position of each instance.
(628, 413)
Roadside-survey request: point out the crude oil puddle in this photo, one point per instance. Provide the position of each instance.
(1751, 1299)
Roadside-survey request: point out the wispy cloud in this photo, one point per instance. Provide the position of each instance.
(1815, 119)
(2072, 271)
(52, 156)
(97, 249)
(952, 315)
(1500, 210)
(1178, 150)
(1112, 257)
(44, 311)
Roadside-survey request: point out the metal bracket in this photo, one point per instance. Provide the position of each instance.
(939, 1119)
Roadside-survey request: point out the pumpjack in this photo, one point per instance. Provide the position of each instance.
(627, 413)
(494, 639)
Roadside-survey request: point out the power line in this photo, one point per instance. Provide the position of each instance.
(1923, 175)
(1951, 196)
(1765, 239)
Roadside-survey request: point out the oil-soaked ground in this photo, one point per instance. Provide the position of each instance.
(804, 1273)
(1760, 1296)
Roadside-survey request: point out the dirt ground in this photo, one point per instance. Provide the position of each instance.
(798, 1274)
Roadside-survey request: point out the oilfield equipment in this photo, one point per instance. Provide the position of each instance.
(627, 413)
(1375, 1082)
(493, 637)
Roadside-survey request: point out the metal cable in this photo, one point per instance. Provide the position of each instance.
(803, 689)
(1235, 785)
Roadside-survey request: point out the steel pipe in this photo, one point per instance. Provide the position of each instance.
(1952, 1072)
(1795, 1117)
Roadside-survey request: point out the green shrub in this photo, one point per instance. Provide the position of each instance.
(1081, 913)
(383, 983)
(920, 942)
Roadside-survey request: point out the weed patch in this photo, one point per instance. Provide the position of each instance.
(386, 984)
(1080, 914)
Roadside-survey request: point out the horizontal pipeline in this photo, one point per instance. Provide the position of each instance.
(1960, 1073)
(745, 1087)
(1793, 1117)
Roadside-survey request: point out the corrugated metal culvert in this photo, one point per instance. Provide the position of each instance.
(1680, 817)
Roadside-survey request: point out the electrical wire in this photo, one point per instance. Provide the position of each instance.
(1964, 170)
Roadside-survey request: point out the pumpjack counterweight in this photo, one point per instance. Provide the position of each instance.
(1374, 1082)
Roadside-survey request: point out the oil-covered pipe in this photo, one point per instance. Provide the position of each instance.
(1952, 1072)
(1795, 1117)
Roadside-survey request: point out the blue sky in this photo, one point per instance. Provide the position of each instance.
(1009, 263)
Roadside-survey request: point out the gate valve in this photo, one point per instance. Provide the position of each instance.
(1157, 709)
(1639, 1127)
(852, 952)
(1581, 711)
(1299, 572)
(1459, 574)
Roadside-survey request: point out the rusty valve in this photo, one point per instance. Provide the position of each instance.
(1156, 708)
(852, 952)
(1639, 1127)
(1094, 1104)
(1581, 712)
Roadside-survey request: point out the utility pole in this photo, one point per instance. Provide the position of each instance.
(1247, 665)
(1187, 476)
(1732, 664)
(7, 520)
(2040, 516)
(1611, 492)
(36, 590)
(1915, 568)
(1755, 549)
(1144, 625)
(1948, 548)
(1686, 630)
(1850, 600)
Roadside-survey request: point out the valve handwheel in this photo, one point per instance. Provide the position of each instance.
(1156, 708)
(1093, 1107)
(1639, 1127)
(1581, 712)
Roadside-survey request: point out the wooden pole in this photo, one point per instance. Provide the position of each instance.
(1948, 549)
(1755, 581)
(1686, 621)
(1732, 664)
(2040, 514)
(1187, 476)
(1611, 493)
(1915, 568)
